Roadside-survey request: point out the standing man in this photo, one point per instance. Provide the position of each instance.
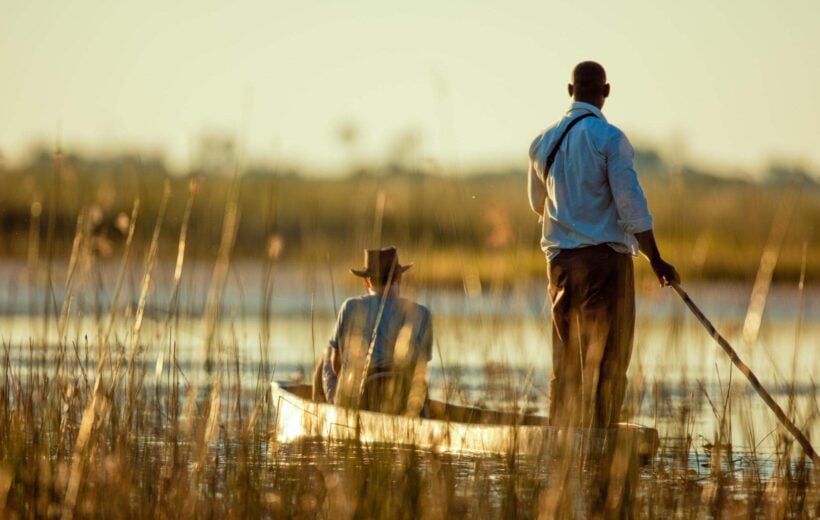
(582, 183)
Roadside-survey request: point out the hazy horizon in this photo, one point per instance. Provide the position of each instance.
(460, 83)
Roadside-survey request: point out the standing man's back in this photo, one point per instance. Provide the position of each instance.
(583, 185)
(594, 195)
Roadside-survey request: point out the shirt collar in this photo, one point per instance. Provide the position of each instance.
(580, 105)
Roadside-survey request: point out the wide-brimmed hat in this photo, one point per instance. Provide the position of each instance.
(379, 262)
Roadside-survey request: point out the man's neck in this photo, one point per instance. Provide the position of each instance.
(597, 103)
(380, 291)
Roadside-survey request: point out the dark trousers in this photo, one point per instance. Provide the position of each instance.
(592, 291)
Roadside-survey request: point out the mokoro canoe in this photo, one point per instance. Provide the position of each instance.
(450, 428)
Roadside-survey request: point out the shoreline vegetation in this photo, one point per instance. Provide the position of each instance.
(455, 228)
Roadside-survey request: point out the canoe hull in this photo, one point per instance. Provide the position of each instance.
(299, 418)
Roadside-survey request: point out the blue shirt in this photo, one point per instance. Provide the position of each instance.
(404, 336)
(402, 321)
(591, 195)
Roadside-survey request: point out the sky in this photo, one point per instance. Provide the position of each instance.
(732, 83)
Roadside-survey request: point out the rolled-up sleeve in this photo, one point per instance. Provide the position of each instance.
(536, 191)
(336, 338)
(425, 340)
(633, 211)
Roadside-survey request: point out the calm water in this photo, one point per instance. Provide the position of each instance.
(491, 346)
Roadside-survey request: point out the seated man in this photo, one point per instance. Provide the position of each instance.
(380, 334)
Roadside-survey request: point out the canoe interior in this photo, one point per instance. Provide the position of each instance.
(467, 415)
(447, 412)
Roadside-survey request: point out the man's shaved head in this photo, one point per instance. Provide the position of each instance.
(589, 83)
(588, 72)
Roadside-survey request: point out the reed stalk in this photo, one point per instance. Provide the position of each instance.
(765, 271)
(230, 224)
(145, 287)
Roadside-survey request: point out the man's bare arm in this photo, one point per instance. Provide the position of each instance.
(336, 360)
(418, 390)
(318, 390)
(666, 273)
(536, 191)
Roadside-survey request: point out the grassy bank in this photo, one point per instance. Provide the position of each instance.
(454, 227)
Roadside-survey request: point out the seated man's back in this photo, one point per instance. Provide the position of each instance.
(401, 339)
(394, 332)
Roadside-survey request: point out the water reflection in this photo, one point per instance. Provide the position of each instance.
(350, 478)
(488, 349)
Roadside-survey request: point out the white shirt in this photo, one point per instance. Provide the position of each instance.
(591, 195)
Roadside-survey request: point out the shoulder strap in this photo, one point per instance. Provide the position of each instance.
(554, 152)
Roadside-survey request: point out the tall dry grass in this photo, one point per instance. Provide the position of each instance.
(90, 426)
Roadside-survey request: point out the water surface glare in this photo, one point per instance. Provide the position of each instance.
(490, 350)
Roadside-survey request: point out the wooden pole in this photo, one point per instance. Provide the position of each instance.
(781, 416)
